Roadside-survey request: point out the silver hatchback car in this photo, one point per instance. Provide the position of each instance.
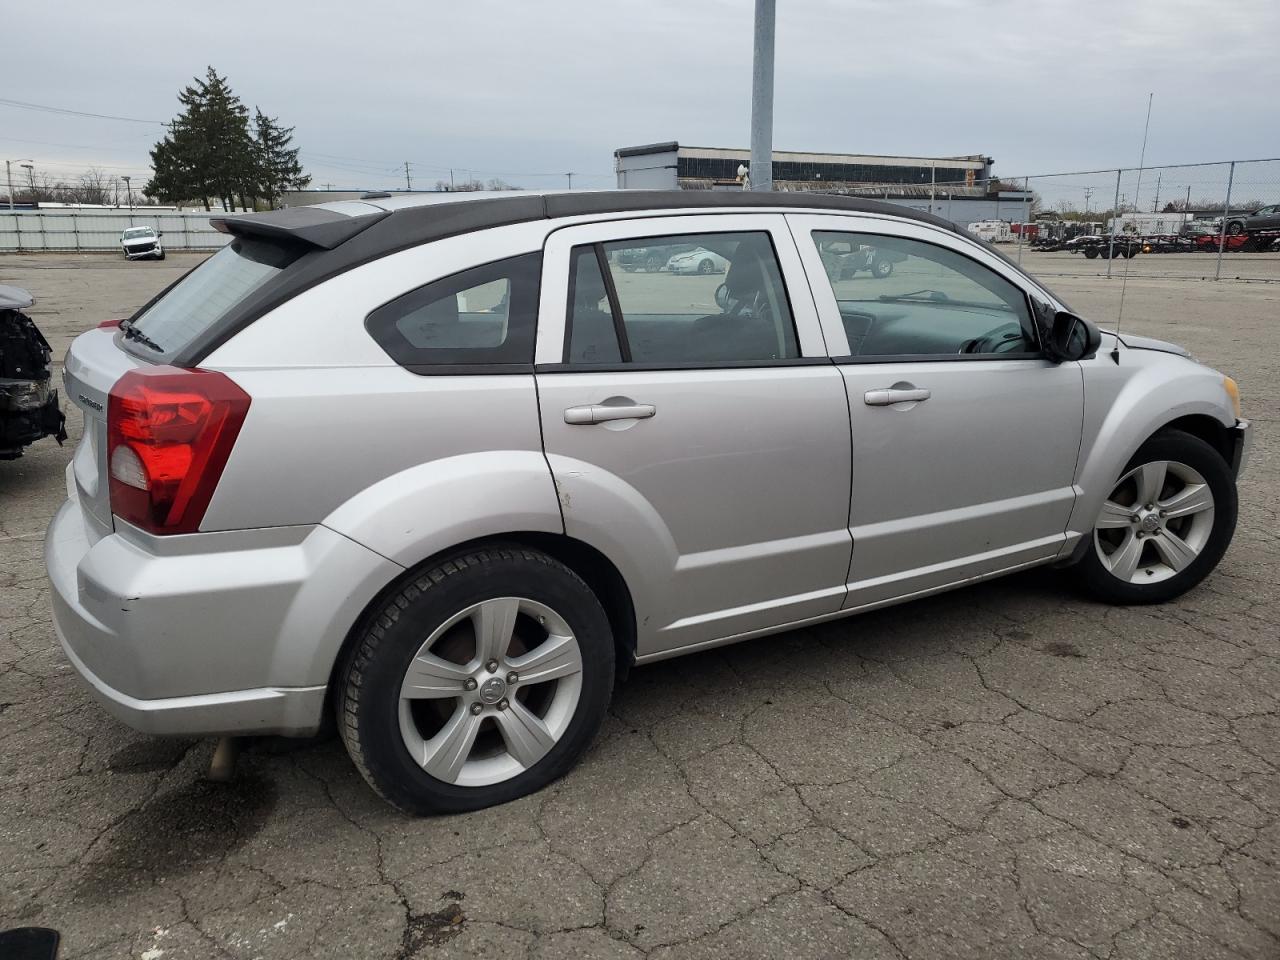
(443, 469)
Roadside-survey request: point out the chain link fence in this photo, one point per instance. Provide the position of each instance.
(31, 231)
(1198, 221)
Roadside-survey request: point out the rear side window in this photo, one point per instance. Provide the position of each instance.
(688, 300)
(482, 317)
(210, 291)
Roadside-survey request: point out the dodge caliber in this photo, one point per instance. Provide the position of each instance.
(443, 470)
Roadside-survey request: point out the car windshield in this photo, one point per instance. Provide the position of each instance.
(134, 232)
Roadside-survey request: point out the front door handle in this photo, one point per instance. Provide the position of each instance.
(601, 412)
(891, 395)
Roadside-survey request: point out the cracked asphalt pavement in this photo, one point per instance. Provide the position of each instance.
(1008, 770)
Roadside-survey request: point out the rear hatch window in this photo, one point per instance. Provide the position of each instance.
(194, 304)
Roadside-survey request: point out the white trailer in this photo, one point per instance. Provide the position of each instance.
(993, 231)
(1148, 224)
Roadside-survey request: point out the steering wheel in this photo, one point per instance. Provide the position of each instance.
(1010, 341)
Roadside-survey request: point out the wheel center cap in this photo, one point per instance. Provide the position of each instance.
(1150, 523)
(493, 690)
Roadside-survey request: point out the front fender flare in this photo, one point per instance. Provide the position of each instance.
(1146, 402)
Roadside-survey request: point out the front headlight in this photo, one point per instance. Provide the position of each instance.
(1233, 391)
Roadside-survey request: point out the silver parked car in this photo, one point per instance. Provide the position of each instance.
(445, 468)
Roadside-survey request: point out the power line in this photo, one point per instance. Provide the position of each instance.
(44, 108)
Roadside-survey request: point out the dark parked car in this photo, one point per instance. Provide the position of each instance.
(1265, 218)
(651, 259)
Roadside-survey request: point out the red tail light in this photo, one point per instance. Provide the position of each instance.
(109, 324)
(169, 433)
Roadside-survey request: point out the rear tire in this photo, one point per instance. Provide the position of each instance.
(1235, 228)
(506, 754)
(1091, 253)
(1187, 543)
(881, 268)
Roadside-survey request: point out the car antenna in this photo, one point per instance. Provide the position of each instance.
(1128, 258)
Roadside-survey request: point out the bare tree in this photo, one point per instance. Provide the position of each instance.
(95, 187)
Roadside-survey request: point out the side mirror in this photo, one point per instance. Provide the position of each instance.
(159, 233)
(722, 296)
(1069, 337)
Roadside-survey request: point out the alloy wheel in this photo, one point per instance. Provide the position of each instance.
(1155, 523)
(490, 691)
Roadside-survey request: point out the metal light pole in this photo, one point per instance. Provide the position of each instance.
(1226, 212)
(8, 172)
(761, 173)
(128, 191)
(1115, 220)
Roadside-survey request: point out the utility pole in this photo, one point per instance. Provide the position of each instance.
(762, 97)
(408, 184)
(128, 190)
(1088, 192)
(933, 183)
(451, 179)
(570, 176)
(1155, 204)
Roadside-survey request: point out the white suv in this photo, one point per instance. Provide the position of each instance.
(446, 467)
(142, 243)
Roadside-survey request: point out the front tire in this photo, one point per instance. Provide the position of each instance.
(881, 268)
(481, 680)
(1165, 525)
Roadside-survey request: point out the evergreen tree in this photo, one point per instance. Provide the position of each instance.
(278, 167)
(211, 152)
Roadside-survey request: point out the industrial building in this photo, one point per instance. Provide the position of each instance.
(959, 188)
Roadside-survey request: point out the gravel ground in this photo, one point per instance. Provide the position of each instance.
(1003, 771)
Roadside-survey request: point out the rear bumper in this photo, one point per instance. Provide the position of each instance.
(1241, 443)
(218, 634)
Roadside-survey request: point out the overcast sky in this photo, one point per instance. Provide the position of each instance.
(528, 90)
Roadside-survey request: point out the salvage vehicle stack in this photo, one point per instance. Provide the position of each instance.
(28, 401)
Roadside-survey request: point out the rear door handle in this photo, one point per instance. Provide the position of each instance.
(600, 412)
(891, 395)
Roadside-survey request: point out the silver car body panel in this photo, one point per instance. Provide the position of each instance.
(753, 500)
(975, 479)
(157, 621)
(93, 364)
(665, 497)
(1125, 403)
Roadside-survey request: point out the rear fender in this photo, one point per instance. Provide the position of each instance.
(604, 511)
(419, 512)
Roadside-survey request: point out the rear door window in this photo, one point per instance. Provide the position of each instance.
(209, 292)
(715, 299)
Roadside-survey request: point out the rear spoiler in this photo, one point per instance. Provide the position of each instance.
(311, 226)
